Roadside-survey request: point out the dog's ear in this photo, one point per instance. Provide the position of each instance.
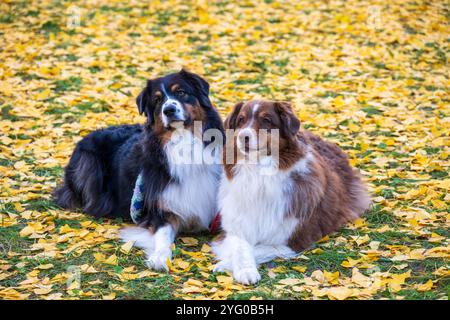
(200, 85)
(143, 102)
(290, 122)
(230, 121)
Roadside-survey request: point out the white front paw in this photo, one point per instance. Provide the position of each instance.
(158, 260)
(222, 266)
(247, 275)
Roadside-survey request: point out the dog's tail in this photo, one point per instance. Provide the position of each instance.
(83, 185)
(142, 237)
(66, 198)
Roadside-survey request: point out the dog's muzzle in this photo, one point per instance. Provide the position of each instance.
(172, 111)
(247, 140)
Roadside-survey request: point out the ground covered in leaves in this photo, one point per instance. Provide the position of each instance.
(371, 76)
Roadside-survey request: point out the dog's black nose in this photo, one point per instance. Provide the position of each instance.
(170, 110)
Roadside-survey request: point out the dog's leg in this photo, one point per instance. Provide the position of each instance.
(265, 253)
(141, 237)
(163, 239)
(157, 246)
(223, 255)
(241, 259)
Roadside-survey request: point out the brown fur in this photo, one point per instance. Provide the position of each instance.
(197, 114)
(327, 197)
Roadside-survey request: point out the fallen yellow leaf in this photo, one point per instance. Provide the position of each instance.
(188, 241)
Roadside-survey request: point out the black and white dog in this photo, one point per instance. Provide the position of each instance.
(177, 195)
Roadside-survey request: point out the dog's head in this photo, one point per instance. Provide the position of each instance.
(254, 120)
(173, 100)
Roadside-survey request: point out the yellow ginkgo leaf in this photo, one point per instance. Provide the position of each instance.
(299, 268)
(290, 281)
(42, 291)
(224, 280)
(126, 247)
(111, 260)
(339, 293)
(427, 286)
(188, 241)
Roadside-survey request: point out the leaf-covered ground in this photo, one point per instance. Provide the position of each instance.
(371, 76)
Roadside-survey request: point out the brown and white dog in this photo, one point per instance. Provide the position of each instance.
(310, 192)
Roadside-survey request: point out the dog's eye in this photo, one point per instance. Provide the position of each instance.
(240, 120)
(267, 121)
(156, 99)
(181, 93)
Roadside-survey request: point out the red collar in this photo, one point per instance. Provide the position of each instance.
(215, 224)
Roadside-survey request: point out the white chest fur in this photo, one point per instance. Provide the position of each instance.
(193, 193)
(253, 205)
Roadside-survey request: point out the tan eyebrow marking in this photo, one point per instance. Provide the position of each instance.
(174, 87)
(158, 93)
(247, 110)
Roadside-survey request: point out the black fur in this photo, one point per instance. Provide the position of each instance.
(104, 166)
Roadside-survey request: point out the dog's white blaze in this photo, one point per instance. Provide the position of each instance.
(249, 132)
(170, 101)
(253, 207)
(255, 108)
(195, 196)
